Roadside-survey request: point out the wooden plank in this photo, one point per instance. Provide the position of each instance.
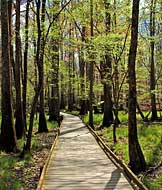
(79, 163)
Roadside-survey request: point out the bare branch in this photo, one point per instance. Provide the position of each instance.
(125, 40)
(54, 18)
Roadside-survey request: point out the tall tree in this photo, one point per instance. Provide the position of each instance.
(24, 81)
(10, 10)
(8, 135)
(19, 123)
(91, 70)
(83, 100)
(41, 30)
(136, 158)
(106, 67)
(54, 106)
(70, 69)
(152, 60)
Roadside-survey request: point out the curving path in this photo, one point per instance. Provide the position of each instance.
(78, 162)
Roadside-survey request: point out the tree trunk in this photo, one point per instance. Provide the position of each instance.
(62, 98)
(31, 120)
(54, 107)
(152, 71)
(38, 86)
(136, 158)
(42, 119)
(106, 68)
(71, 74)
(108, 114)
(10, 3)
(83, 101)
(25, 63)
(70, 90)
(8, 135)
(62, 85)
(91, 71)
(19, 123)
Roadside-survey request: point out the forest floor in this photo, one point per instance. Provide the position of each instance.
(24, 174)
(30, 174)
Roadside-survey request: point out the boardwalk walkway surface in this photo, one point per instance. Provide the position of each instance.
(78, 162)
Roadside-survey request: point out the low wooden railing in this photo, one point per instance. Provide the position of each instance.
(136, 183)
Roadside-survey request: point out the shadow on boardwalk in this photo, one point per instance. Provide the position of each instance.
(115, 177)
(79, 163)
(71, 130)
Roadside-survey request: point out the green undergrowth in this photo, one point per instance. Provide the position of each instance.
(51, 125)
(153, 183)
(97, 119)
(8, 180)
(74, 112)
(10, 162)
(150, 139)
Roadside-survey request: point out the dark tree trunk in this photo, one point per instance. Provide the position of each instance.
(70, 90)
(19, 123)
(108, 114)
(71, 73)
(152, 71)
(62, 85)
(54, 106)
(62, 98)
(116, 93)
(83, 100)
(91, 71)
(38, 86)
(42, 119)
(8, 134)
(31, 120)
(106, 69)
(116, 90)
(136, 158)
(114, 132)
(25, 63)
(141, 113)
(10, 3)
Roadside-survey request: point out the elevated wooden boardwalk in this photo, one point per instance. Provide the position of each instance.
(78, 162)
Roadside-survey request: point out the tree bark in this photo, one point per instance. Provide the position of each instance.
(106, 69)
(83, 100)
(11, 36)
(42, 119)
(54, 107)
(31, 120)
(38, 86)
(62, 98)
(19, 123)
(62, 85)
(108, 114)
(25, 63)
(70, 93)
(91, 71)
(152, 71)
(136, 158)
(8, 141)
(71, 73)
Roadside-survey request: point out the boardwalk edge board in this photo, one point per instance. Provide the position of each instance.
(118, 162)
(40, 183)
